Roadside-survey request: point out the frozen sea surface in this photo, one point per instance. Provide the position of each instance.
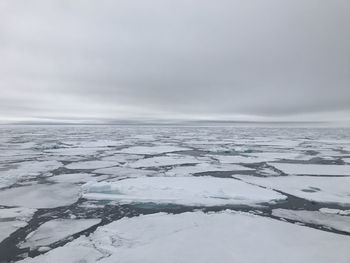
(174, 194)
(190, 191)
(198, 237)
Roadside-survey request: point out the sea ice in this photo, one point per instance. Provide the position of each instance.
(56, 230)
(90, 165)
(205, 167)
(335, 211)
(40, 195)
(312, 169)
(168, 160)
(153, 149)
(76, 178)
(74, 151)
(25, 170)
(13, 218)
(335, 221)
(259, 157)
(319, 189)
(203, 191)
(226, 159)
(120, 172)
(197, 237)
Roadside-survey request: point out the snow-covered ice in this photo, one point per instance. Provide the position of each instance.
(312, 169)
(197, 237)
(319, 189)
(76, 178)
(153, 149)
(259, 157)
(226, 159)
(90, 165)
(25, 170)
(56, 230)
(205, 167)
(122, 172)
(335, 211)
(168, 160)
(335, 221)
(40, 195)
(13, 218)
(204, 191)
(132, 171)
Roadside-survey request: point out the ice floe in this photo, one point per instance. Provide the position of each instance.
(40, 195)
(197, 237)
(335, 211)
(259, 157)
(334, 221)
(25, 170)
(319, 189)
(76, 178)
(201, 191)
(168, 160)
(226, 159)
(153, 149)
(90, 165)
(13, 218)
(75, 151)
(205, 167)
(312, 169)
(56, 230)
(120, 172)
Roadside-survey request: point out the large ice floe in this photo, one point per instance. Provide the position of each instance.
(205, 168)
(312, 169)
(13, 218)
(40, 195)
(168, 160)
(319, 189)
(192, 191)
(90, 165)
(56, 230)
(335, 221)
(123, 172)
(258, 157)
(153, 149)
(76, 178)
(197, 237)
(25, 170)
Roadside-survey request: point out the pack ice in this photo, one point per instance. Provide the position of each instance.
(204, 191)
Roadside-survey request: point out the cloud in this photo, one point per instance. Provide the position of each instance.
(174, 59)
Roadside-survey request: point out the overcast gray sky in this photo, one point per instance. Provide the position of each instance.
(175, 59)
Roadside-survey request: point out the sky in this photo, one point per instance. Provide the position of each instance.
(101, 61)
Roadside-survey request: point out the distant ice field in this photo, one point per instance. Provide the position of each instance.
(174, 194)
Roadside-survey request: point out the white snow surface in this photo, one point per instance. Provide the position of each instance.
(168, 160)
(56, 230)
(76, 178)
(120, 172)
(90, 165)
(204, 191)
(259, 157)
(153, 149)
(25, 170)
(335, 211)
(205, 167)
(319, 189)
(40, 195)
(335, 221)
(312, 169)
(13, 218)
(197, 237)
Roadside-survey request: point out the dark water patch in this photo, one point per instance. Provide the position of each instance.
(223, 174)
